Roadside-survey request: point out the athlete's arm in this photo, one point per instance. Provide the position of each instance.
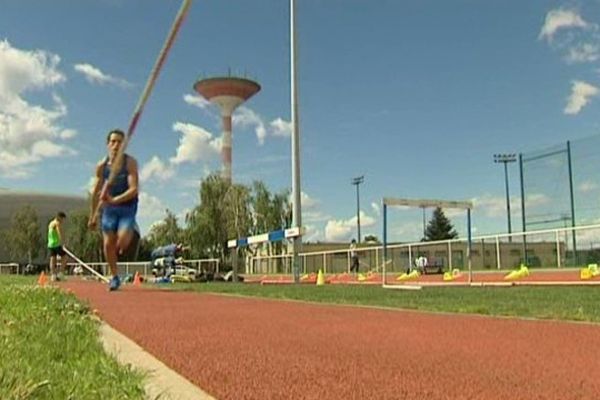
(95, 195)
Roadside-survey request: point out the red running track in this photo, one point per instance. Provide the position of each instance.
(243, 348)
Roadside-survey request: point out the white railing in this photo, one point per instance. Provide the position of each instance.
(9, 268)
(144, 268)
(549, 248)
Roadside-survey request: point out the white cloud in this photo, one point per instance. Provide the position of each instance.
(150, 206)
(407, 231)
(195, 144)
(306, 201)
(376, 209)
(280, 127)
(29, 133)
(342, 230)
(310, 212)
(245, 117)
(560, 19)
(581, 94)
(196, 100)
(314, 216)
(312, 234)
(491, 206)
(455, 212)
(583, 52)
(95, 76)
(156, 168)
(68, 134)
(586, 187)
(338, 231)
(536, 200)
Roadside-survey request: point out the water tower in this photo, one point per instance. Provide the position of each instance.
(228, 93)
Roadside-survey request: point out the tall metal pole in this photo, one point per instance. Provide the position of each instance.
(573, 235)
(296, 190)
(357, 181)
(523, 219)
(384, 242)
(505, 159)
(358, 210)
(507, 197)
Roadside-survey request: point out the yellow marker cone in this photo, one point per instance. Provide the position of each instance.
(405, 277)
(448, 276)
(402, 277)
(320, 278)
(594, 270)
(361, 277)
(511, 275)
(522, 272)
(585, 274)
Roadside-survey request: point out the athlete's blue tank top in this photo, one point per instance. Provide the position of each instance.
(120, 184)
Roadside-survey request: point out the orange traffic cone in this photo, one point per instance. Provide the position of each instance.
(43, 279)
(136, 279)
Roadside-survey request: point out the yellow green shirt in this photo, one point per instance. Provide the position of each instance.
(53, 237)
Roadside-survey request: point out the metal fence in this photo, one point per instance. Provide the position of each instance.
(551, 248)
(144, 268)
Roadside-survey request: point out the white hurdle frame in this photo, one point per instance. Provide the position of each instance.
(423, 203)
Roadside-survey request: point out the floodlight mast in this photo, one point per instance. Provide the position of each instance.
(357, 181)
(505, 159)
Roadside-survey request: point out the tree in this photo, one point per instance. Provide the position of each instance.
(206, 224)
(165, 232)
(86, 244)
(270, 211)
(439, 227)
(23, 238)
(237, 211)
(371, 239)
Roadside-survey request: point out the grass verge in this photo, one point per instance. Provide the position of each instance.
(49, 348)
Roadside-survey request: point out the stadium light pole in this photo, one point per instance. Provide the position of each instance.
(357, 181)
(505, 159)
(296, 189)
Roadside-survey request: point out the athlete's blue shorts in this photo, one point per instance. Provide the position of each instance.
(119, 218)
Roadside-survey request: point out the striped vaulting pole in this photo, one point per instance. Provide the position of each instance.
(162, 56)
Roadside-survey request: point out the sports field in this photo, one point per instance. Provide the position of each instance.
(241, 341)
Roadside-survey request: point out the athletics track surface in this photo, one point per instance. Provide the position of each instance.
(244, 348)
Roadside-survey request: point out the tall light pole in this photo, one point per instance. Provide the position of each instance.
(296, 189)
(505, 159)
(357, 181)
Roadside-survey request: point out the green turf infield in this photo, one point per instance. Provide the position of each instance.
(560, 303)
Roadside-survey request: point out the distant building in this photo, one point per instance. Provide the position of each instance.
(46, 206)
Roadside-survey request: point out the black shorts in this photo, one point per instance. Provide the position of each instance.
(56, 251)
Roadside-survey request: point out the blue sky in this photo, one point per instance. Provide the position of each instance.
(415, 95)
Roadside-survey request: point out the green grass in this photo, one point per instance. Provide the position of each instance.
(559, 303)
(49, 348)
